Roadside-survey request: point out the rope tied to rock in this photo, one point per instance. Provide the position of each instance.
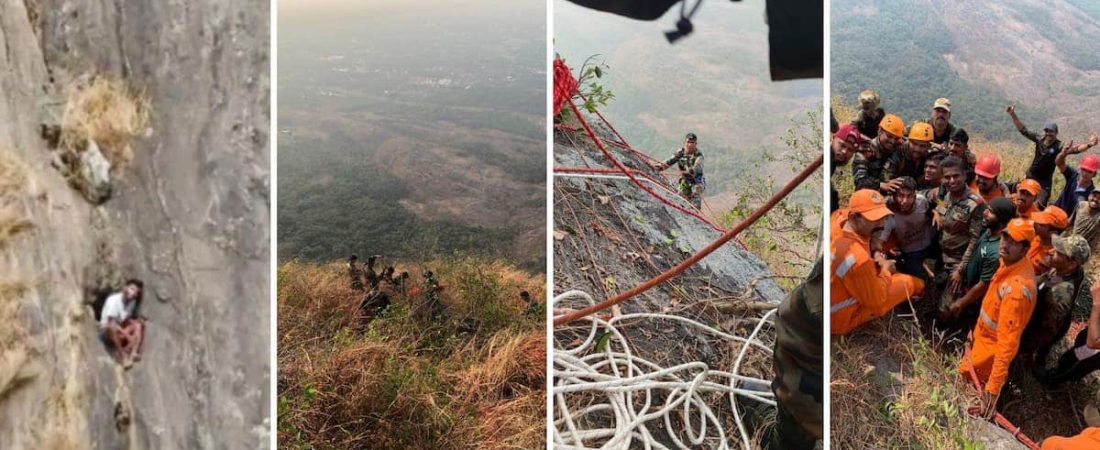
(565, 86)
(998, 419)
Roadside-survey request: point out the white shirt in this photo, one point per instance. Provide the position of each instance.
(115, 308)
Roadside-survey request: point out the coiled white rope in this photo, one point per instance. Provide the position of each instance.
(607, 372)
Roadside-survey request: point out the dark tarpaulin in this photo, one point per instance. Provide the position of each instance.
(634, 9)
(795, 31)
(796, 39)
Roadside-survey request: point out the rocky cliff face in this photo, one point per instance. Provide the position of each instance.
(189, 216)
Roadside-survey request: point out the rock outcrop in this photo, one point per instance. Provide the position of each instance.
(189, 216)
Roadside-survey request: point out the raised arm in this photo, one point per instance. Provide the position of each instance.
(1011, 110)
(1060, 160)
(1080, 148)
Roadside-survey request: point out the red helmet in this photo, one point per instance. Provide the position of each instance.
(989, 166)
(1091, 163)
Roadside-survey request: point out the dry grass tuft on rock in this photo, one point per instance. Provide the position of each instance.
(106, 111)
(13, 183)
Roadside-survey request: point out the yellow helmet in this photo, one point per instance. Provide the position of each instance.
(921, 131)
(893, 125)
(869, 99)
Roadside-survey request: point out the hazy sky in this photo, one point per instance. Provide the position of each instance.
(291, 10)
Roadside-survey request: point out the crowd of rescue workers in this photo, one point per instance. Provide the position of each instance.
(996, 258)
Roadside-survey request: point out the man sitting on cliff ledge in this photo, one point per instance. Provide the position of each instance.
(120, 327)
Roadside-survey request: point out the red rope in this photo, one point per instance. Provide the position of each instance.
(605, 170)
(564, 85)
(684, 265)
(626, 170)
(999, 419)
(649, 160)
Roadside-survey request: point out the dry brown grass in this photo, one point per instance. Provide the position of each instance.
(107, 111)
(405, 384)
(14, 178)
(11, 291)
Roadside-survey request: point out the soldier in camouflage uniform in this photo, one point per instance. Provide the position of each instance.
(689, 159)
(355, 273)
(958, 215)
(869, 162)
(870, 115)
(432, 306)
(370, 274)
(399, 282)
(909, 161)
(387, 276)
(797, 360)
(1058, 289)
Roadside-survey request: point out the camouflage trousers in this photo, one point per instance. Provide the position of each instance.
(692, 192)
(797, 359)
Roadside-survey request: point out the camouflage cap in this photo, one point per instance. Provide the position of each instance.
(1073, 246)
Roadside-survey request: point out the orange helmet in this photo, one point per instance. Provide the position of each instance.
(921, 131)
(1091, 163)
(1020, 230)
(893, 125)
(989, 166)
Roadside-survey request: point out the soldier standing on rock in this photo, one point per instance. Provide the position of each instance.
(689, 159)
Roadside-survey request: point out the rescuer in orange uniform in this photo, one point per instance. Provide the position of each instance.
(1087, 440)
(1006, 309)
(1027, 192)
(1048, 222)
(863, 286)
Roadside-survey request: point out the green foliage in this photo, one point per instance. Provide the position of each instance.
(896, 379)
(902, 56)
(786, 236)
(590, 86)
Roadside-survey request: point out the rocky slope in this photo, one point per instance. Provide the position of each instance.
(611, 235)
(189, 216)
(612, 228)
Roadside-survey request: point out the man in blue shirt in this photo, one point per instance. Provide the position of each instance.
(1078, 182)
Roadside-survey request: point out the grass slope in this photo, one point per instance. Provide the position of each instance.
(400, 383)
